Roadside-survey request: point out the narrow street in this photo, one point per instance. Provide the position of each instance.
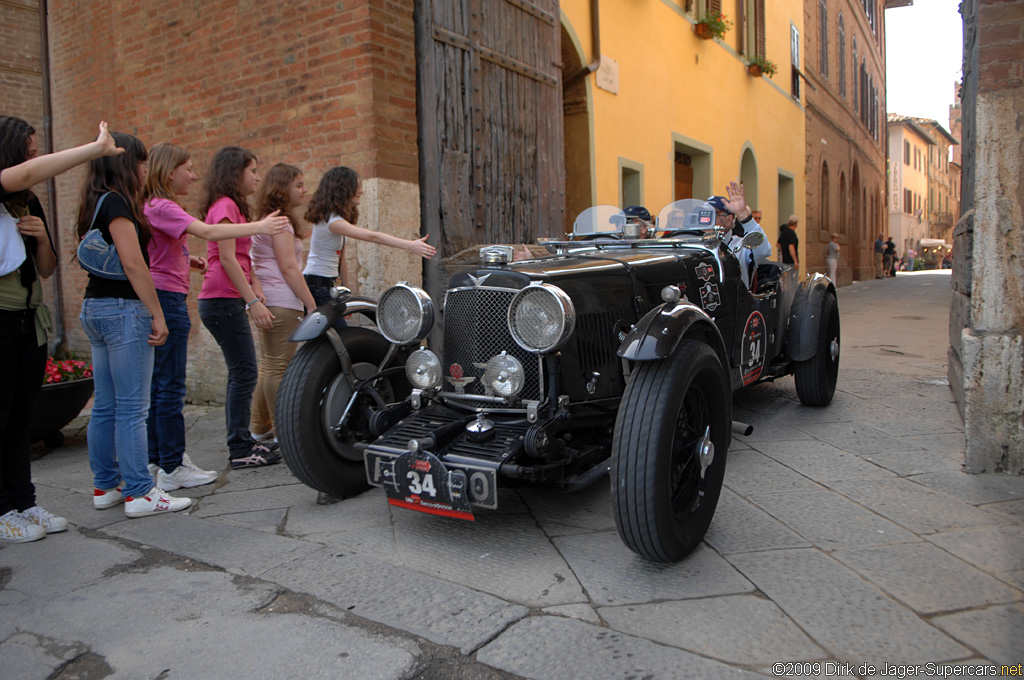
(845, 534)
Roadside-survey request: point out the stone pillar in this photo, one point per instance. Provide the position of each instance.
(987, 316)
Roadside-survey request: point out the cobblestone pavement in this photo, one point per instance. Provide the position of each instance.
(846, 538)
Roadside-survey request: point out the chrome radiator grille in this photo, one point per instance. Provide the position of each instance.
(475, 329)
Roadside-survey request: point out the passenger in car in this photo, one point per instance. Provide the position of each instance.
(735, 216)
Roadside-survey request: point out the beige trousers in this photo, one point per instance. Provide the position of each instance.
(275, 353)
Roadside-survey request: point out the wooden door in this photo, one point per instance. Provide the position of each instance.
(489, 100)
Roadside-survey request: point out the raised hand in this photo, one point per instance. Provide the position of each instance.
(107, 144)
(422, 248)
(737, 200)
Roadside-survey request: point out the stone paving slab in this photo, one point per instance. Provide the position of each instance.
(739, 526)
(992, 549)
(581, 612)
(821, 461)
(589, 509)
(227, 500)
(506, 555)
(1013, 511)
(741, 629)
(226, 618)
(29, 656)
(829, 520)
(940, 582)
(266, 521)
(975, 489)
(443, 612)
(554, 648)
(750, 472)
(906, 463)
(235, 548)
(611, 574)
(914, 506)
(766, 428)
(997, 632)
(858, 438)
(940, 444)
(853, 620)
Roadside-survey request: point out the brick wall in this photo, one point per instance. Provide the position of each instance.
(315, 84)
(1001, 50)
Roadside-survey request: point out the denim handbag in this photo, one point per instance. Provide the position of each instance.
(98, 257)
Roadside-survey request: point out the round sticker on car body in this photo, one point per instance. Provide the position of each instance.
(753, 348)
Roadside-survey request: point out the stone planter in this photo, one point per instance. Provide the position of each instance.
(56, 406)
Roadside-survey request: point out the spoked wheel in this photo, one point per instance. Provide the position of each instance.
(671, 439)
(816, 378)
(318, 438)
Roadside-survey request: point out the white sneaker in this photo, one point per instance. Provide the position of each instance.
(46, 519)
(16, 528)
(155, 502)
(186, 475)
(154, 470)
(106, 498)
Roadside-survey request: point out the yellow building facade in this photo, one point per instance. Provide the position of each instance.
(670, 115)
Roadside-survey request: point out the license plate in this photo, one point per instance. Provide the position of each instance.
(420, 481)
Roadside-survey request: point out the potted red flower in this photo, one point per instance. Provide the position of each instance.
(67, 388)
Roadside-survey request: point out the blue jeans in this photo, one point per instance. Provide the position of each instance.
(320, 289)
(228, 323)
(122, 367)
(166, 424)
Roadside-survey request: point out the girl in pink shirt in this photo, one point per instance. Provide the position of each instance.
(276, 262)
(170, 176)
(230, 296)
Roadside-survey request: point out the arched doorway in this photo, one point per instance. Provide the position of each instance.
(578, 151)
(748, 177)
(857, 227)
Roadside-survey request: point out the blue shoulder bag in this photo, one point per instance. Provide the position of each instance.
(98, 257)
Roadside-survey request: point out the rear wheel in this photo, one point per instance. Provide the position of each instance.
(313, 396)
(816, 378)
(671, 439)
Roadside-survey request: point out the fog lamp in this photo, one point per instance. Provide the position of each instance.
(504, 376)
(423, 369)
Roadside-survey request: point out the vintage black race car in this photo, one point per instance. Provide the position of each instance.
(613, 353)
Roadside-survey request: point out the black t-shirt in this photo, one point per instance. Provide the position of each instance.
(115, 206)
(788, 237)
(890, 248)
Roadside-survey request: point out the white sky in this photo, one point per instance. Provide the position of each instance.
(924, 54)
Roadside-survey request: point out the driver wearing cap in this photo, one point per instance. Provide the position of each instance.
(734, 215)
(640, 216)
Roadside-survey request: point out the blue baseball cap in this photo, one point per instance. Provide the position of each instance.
(719, 203)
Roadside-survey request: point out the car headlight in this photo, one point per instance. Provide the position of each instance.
(405, 314)
(541, 317)
(503, 375)
(423, 369)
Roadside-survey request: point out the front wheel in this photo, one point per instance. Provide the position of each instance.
(816, 377)
(319, 446)
(671, 439)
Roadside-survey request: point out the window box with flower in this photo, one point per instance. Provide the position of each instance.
(712, 25)
(67, 388)
(758, 66)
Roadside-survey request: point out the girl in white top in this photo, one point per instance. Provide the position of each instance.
(276, 263)
(333, 212)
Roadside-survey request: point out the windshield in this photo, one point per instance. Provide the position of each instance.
(600, 219)
(688, 215)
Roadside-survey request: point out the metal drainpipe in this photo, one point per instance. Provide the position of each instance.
(51, 184)
(595, 39)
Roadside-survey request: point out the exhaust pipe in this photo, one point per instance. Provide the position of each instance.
(742, 428)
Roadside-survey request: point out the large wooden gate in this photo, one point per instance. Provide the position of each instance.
(489, 101)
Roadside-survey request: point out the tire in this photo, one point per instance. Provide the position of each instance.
(312, 397)
(816, 378)
(662, 504)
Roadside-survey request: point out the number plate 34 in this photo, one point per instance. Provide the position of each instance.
(419, 481)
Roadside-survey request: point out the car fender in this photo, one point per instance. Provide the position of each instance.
(326, 315)
(657, 335)
(802, 338)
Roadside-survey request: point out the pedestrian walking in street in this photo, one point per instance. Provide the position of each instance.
(888, 258)
(26, 256)
(277, 263)
(170, 176)
(124, 323)
(333, 212)
(879, 249)
(832, 257)
(789, 243)
(230, 296)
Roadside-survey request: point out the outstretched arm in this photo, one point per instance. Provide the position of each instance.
(418, 246)
(273, 224)
(35, 170)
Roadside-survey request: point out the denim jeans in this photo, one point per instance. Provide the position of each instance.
(228, 323)
(166, 424)
(122, 368)
(320, 289)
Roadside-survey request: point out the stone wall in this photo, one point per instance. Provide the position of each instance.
(987, 354)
